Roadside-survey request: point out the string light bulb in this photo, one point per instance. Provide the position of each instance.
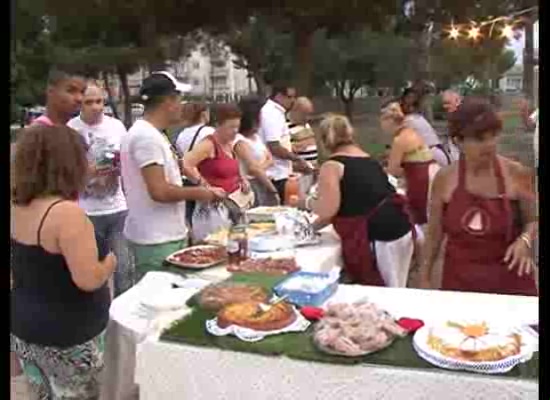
(474, 33)
(454, 33)
(507, 32)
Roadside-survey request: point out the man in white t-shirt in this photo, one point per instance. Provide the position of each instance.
(276, 135)
(156, 223)
(103, 199)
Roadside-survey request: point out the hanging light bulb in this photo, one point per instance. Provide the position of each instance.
(507, 32)
(454, 33)
(474, 33)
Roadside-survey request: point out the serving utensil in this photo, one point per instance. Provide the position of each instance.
(263, 308)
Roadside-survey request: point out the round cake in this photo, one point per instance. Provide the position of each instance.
(474, 342)
(246, 315)
(215, 297)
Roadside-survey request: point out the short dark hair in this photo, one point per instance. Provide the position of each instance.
(417, 97)
(250, 108)
(61, 72)
(473, 118)
(48, 161)
(226, 112)
(280, 88)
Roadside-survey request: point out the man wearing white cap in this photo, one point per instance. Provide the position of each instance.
(156, 224)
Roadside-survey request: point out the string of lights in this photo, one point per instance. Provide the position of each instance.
(473, 29)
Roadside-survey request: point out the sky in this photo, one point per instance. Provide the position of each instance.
(517, 45)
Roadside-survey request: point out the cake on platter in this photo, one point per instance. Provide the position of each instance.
(217, 296)
(474, 341)
(249, 315)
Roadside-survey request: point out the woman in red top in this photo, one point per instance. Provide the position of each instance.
(411, 158)
(480, 206)
(213, 163)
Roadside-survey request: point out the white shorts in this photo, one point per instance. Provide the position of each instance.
(394, 260)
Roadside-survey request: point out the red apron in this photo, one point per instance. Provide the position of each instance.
(479, 232)
(417, 175)
(359, 263)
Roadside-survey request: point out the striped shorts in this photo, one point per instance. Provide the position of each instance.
(61, 373)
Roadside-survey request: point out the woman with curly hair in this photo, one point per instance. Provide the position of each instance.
(60, 299)
(480, 205)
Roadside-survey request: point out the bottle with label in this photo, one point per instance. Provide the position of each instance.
(237, 243)
(292, 190)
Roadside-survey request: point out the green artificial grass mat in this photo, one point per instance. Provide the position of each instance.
(299, 346)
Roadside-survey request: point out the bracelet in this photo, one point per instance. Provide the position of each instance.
(307, 202)
(526, 239)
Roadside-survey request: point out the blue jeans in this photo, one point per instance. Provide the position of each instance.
(111, 227)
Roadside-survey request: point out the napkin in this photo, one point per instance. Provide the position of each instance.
(410, 325)
(312, 313)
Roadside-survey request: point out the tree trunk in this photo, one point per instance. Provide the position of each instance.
(528, 61)
(110, 94)
(123, 76)
(348, 108)
(304, 59)
(261, 86)
(150, 40)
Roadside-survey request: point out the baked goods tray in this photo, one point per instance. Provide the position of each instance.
(173, 260)
(249, 335)
(529, 346)
(265, 214)
(328, 350)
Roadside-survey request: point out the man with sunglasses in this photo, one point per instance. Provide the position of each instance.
(275, 133)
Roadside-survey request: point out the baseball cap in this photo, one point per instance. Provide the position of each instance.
(161, 83)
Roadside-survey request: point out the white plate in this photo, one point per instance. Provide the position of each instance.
(269, 243)
(420, 344)
(249, 335)
(178, 263)
(168, 300)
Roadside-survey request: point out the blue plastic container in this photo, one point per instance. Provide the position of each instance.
(301, 298)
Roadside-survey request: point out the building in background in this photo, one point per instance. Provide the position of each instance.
(212, 77)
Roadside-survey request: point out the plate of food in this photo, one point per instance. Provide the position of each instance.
(354, 330)
(251, 322)
(198, 257)
(217, 296)
(266, 214)
(475, 346)
(252, 230)
(271, 266)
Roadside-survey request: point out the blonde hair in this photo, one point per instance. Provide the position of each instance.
(393, 111)
(336, 130)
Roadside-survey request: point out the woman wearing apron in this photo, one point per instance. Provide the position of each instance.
(354, 194)
(479, 204)
(409, 158)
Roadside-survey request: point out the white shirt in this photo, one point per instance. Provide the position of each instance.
(258, 147)
(273, 128)
(185, 137)
(150, 222)
(419, 124)
(103, 195)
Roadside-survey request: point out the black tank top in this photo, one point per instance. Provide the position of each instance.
(47, 308)
(363, 187)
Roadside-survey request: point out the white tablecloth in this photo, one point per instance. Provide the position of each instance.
(127, 330)
(167, 371)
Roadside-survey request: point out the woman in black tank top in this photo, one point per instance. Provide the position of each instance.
(365, 210)
(60, 299)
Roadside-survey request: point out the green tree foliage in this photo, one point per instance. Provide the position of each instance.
(349, 62)
(454, 61)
